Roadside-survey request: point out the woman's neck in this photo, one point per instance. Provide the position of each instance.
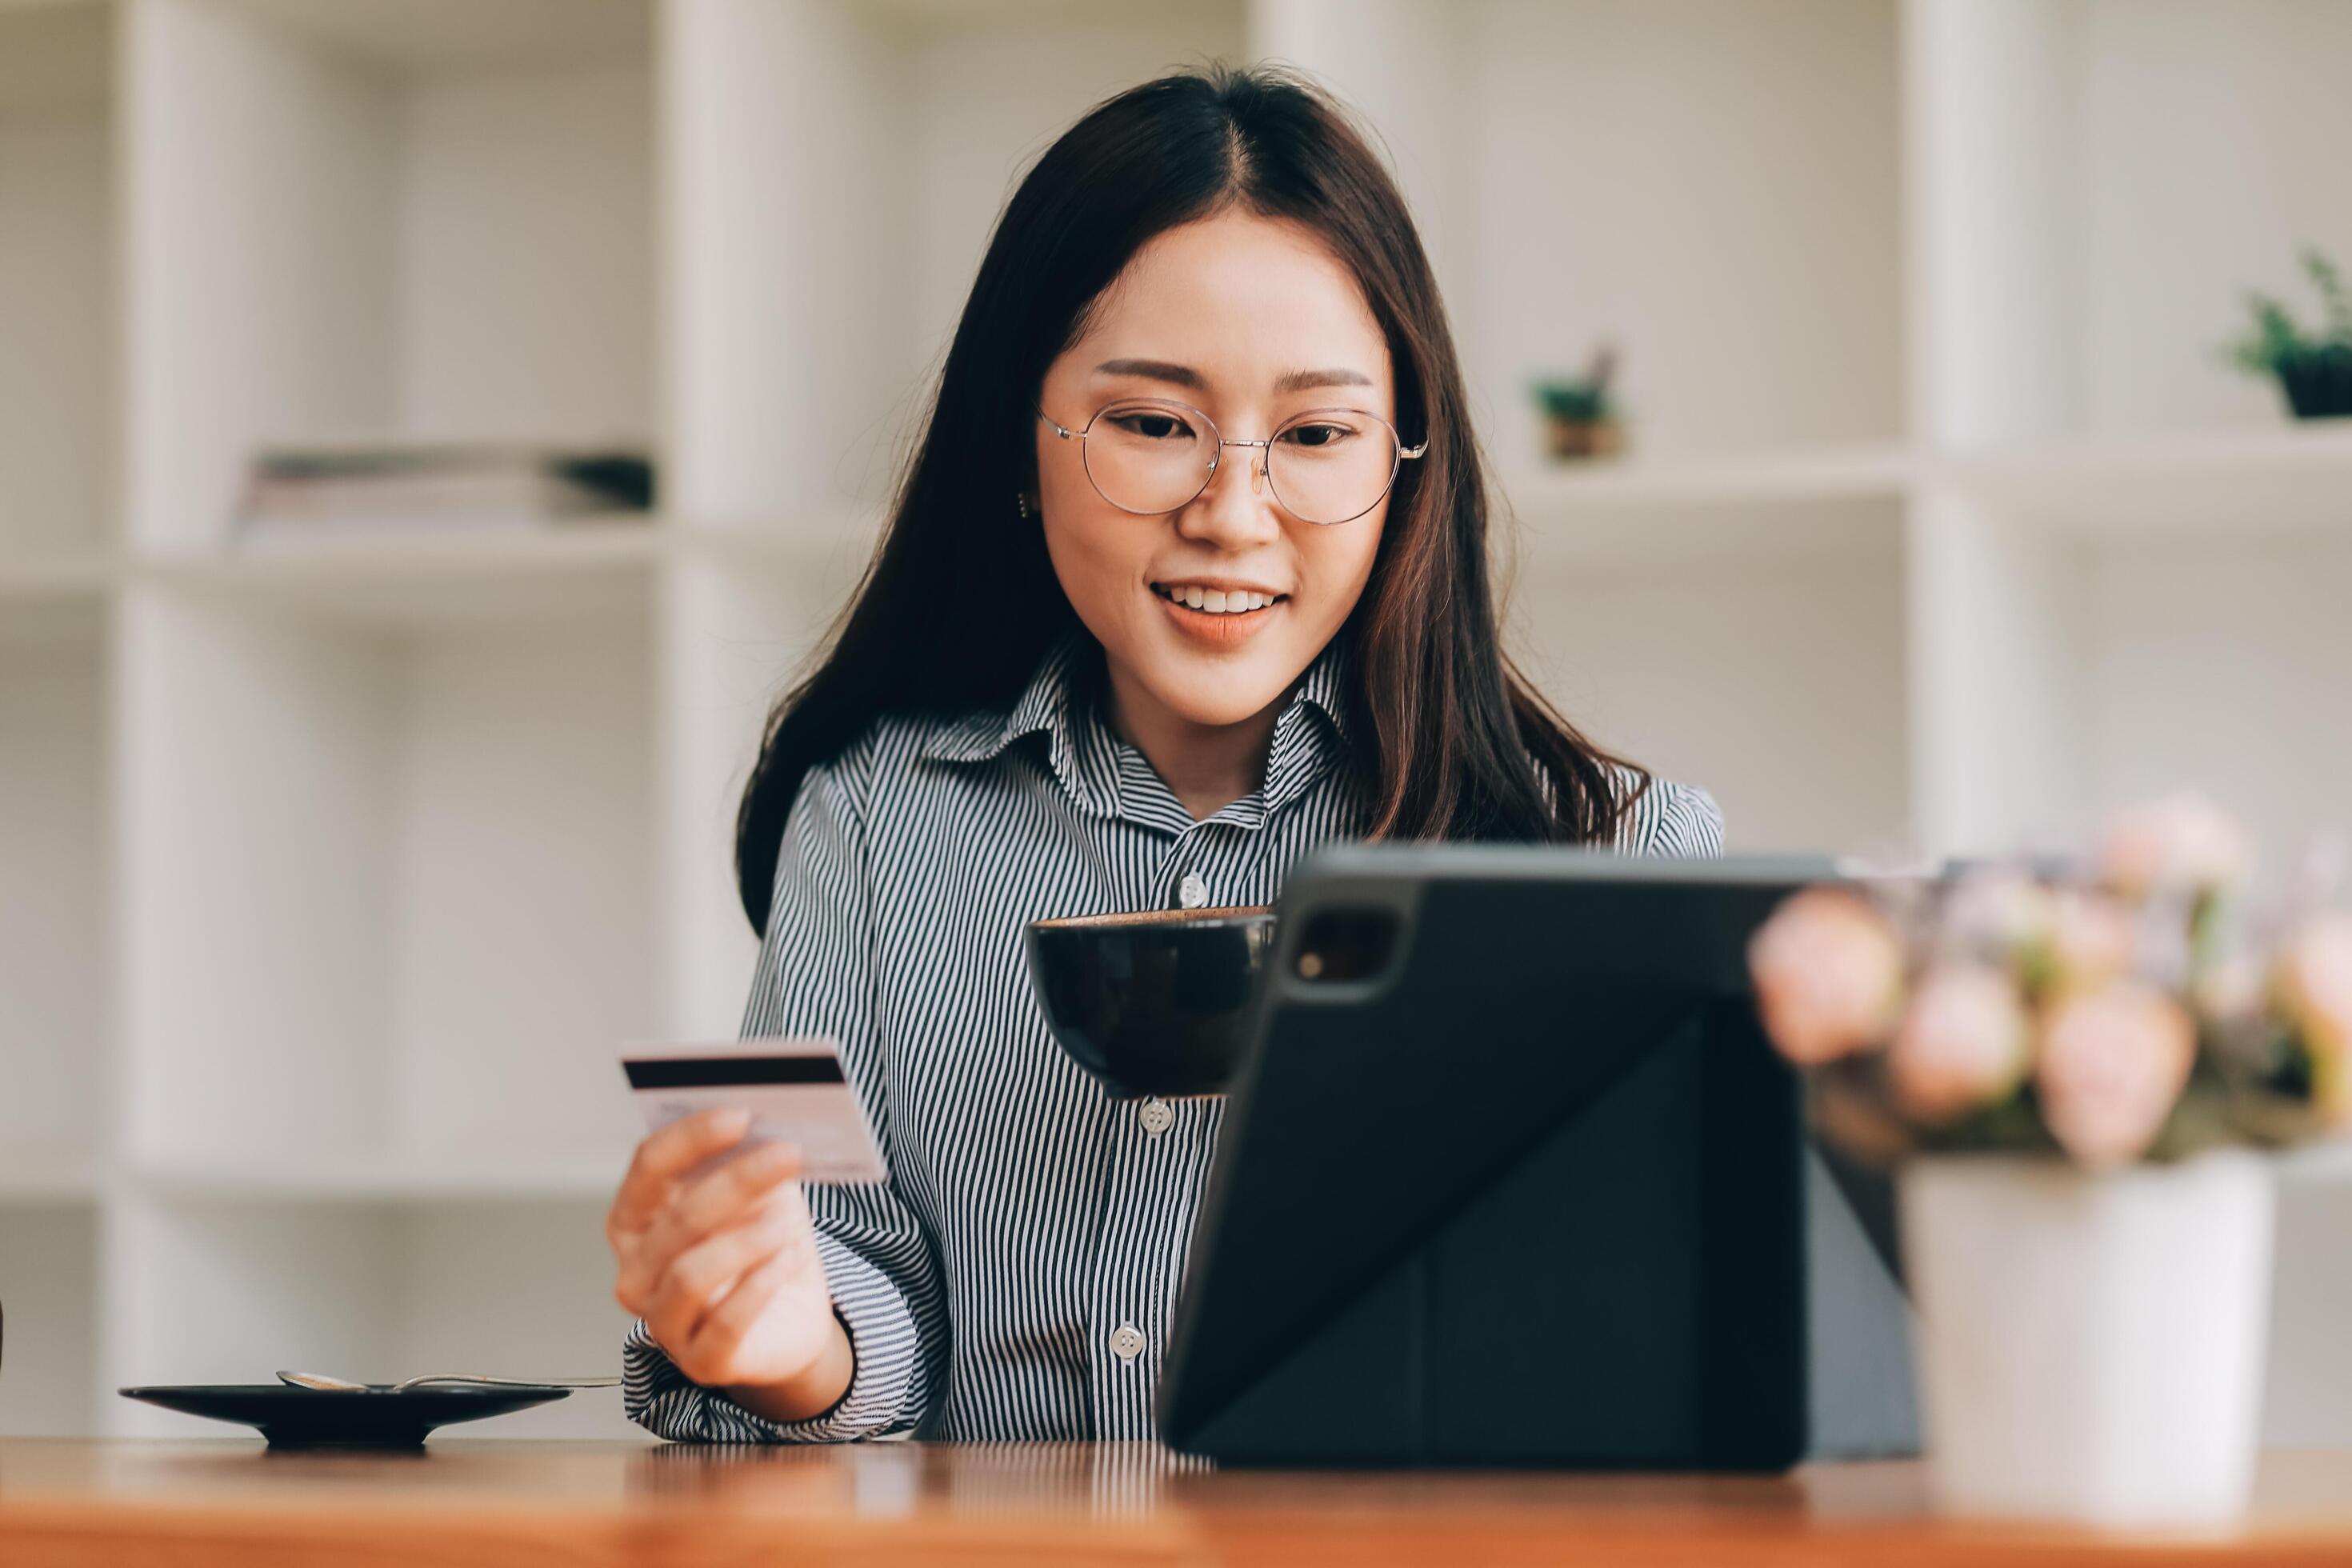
(1207, 767)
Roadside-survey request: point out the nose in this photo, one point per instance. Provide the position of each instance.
(1237, 510)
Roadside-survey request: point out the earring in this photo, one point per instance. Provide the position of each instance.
(1021, 500)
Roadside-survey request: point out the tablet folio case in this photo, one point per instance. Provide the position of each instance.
(1608, 1245)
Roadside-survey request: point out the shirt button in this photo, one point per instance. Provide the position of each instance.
(1158, 1117)
(1126, 1341)
(1191, 892)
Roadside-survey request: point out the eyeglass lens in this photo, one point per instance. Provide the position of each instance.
(1326, 466)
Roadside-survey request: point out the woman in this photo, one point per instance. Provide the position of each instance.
(1187, 576)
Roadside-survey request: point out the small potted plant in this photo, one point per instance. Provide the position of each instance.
(2315, 370)
(1580, 418)
(2074, 1072)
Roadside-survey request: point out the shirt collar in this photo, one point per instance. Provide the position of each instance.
(1062, 702)
(1311, 732)
(1043, 705)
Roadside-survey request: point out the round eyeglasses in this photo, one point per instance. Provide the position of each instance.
(1150, 455)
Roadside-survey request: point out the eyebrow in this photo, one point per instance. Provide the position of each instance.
(1186, 376)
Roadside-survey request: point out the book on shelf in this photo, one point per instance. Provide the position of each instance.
(380, 487)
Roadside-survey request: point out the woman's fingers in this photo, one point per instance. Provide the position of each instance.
(718, 1201)
(713, 1342)
(718, 1197)
(699, 1279)
(662, 1155)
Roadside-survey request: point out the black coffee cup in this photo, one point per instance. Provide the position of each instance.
(1155, 1002)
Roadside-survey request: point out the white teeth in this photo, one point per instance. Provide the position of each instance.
(1215, 603)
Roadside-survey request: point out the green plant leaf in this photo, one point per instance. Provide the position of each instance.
(2275, 340)
(2333, 296)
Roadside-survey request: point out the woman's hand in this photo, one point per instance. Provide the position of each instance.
(724, 1267)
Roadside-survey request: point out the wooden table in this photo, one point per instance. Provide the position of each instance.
(459, 1502)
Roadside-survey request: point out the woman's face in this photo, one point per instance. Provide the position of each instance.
(1250, 321)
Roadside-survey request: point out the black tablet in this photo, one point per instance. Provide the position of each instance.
(1509, 1176)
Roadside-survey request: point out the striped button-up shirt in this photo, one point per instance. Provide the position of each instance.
(1016, 1276)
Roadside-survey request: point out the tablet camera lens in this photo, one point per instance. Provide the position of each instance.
(1343, 944)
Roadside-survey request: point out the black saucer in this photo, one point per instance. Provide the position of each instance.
(294, 1417)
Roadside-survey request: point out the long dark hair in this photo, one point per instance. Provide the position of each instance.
(961, 601)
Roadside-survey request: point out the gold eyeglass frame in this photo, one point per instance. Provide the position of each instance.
(1266, 468)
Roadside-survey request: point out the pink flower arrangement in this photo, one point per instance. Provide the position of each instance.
(1964, 1040)
(2113, 1063)
(2180, 841)
(2314, 989)
(2106, 1013)
(1829, 975)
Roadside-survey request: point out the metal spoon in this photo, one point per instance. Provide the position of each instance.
(338, 1386)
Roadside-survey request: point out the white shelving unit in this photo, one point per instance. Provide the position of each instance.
(329, 880)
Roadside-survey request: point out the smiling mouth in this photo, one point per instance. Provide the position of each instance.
(1214, 603)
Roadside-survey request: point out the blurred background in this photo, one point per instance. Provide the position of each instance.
(430, 429)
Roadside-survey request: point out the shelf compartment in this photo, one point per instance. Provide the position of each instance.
(391, 893)
(2220, 662)
(2065, 672)
(2095, 183)
(49, 1281)
(56, 965)
(2173, 106)
(1773, 678)
(374, 219)
(1727, 215)
(57, 257)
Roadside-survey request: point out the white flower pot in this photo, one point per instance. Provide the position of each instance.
(2091, 1346)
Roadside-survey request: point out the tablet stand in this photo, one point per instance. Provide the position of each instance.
(1573, 1314)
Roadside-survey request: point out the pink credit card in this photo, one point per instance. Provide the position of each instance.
(794, 1089)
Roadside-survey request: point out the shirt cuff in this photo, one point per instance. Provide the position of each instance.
(888, 1360)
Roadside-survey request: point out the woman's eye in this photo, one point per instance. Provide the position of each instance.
(1316, 437)
(1154, 426)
